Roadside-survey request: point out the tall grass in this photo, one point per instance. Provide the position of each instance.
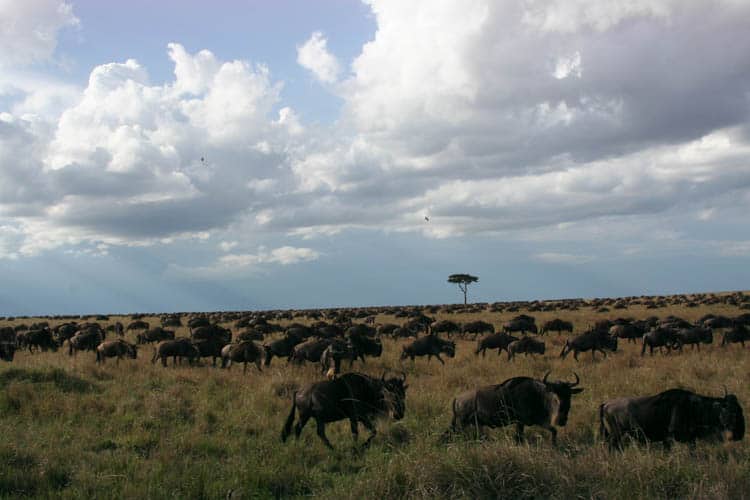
(72, 429)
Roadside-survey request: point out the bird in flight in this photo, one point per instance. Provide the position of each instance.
(427, 218)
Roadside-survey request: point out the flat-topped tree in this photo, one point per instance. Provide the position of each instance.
(463, 281)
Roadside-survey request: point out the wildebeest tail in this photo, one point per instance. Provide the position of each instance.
(289, 420)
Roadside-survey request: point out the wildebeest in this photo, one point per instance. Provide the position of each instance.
(115, 348)
(85, 340)
(590, 341)
(7, 350)
(40, 339)
(525, 345)
(445, 326)
(676, 414)
(330, 360)
(556, 325)
(178, 348)
(156, 334)
(629, 331)
(309, 350)
(64, 331)
(138, 325)
(695, 337)
(212, 332)
(198, 321)
(211, 347)
(477, 328)
(660, 337)
(520, 400)
(429, 345)
(499, 341)
(355, 396)
(243, 352)
(281, 348)
(521, 323)
(365, 346)
(738, 334)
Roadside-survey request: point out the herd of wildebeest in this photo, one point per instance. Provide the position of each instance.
(334, 336)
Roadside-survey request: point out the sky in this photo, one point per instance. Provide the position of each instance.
(181, 156)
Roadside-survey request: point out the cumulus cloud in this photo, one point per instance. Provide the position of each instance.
(502, 118)
(29, 29)
(242, 263)
(313, 55)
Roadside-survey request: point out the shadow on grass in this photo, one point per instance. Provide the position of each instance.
(62, 380)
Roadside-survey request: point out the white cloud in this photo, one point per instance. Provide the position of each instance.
(313, 55)
(561, 258)
(29, 29)
(233, 265)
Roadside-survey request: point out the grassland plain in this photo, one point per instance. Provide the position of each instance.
(72, 429)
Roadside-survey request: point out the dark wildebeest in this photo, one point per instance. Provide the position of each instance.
(445, 326)
(8, 343)
(361, 331)
(197, 322)
(629, 331)
(477, 328)
(718, 322)
(521, 323)
(211, 347)
(365, 346)
(695, 337)
(330, 360)
(520, 400)
(739, 333)
(660, 337)
(525, 345)
(250, 334)
(556, 325)
(178, 348)
(590, 341)
(676, 414)
(115, 348)
(138, 325)
(387, 329)
(156, 334)
(429, 345)
(355, 396)
(309, 350)
(41, 339)
(212, 332)
(499, 341)
(119, 329)
(243, 352)
(281, 348)
(64, 332)
(85, 340)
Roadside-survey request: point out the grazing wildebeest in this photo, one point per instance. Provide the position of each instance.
(64, 332)
(477, 328)
(521, 323)
(281, 348)
(310, 350)
(429, 345)
(250, 334)
(85, 340)
(676, 414)
(178, 348)
(556, 325)
(629, 331)
(212, 332)
(138, 325)
(387, 329)
(355, 396)
(7, 350)
(115, 348)
(330, 360)
(499, 341)
(526, 345)
(211, 347)
(243, 352)
(361, 331)
(156, 334)
(41, 339)
(520, 400)
(695, 337)
(362, 346)
(445, 326)
(198, 321)
(590, 341)
(718, 322)
(738, 334)
(660, 337)
(119, 329)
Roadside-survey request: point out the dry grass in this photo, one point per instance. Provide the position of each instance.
(137, 430)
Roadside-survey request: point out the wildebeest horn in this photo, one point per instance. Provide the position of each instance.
(545, 376)
(578, 379)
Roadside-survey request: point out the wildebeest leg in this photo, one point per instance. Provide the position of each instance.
(244, 367)
(322, 433)
(439, 358)
(303, 418)
(370, 427)
(575, 355)
(552, 431)
(257, 364)
(519, 432)
(429, 357)
(355, 427)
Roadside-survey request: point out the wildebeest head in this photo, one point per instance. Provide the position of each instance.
(394, 395)
(610, 342)
(731, 417)
(564, 391)
(449, 348)
(132, 351)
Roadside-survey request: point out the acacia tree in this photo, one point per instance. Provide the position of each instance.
(463, 281)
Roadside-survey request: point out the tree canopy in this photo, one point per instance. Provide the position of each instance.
(463, 281)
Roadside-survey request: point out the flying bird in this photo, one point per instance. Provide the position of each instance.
(427, 218)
